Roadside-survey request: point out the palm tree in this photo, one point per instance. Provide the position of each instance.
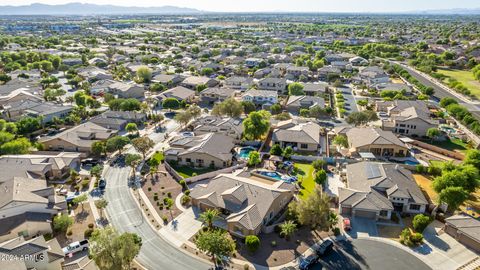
(333, 219)
(209, 216)
(288, 228)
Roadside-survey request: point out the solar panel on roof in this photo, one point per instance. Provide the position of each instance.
(373, 170)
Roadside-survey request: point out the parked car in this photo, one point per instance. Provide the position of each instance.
(308, 262)
(90, 161)
(102, 184)
(325, 247)
(346, 224)
(75, 247)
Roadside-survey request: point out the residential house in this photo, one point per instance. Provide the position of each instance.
(373, 140)
(194, 81)
(261, 97)
(294, 72)
(168, 80)
(411, 121)
(252, 62)
(77, 139)
(19, 94)
(358, 61)
(27, 206)
(213, 95)
(93, 74)
(278, 85)
(206, 150)
(300, 136)
(36, 253)
(14, 111)
(315, 89)
(222, 125)
(327, 73)
(242, 83)
(101, 86)
(247, 206)
(127, 90)
(295, 103)
(117, 120)
(465, 229)
(373, 75)
(180, 93)
(376, 190)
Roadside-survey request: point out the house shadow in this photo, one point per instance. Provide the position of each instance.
(351, 250)
(438, 243)
(423, 249)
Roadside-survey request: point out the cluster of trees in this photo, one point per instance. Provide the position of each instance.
(414, 237)
(362, 118)
(393, 95)
(192, 112)
(404, 74)
(461, 113)
(372, 50)
(120, 104)
(229, 107)
(11, 141)
(30, 60)
(456, 182)
(173, 103)
(458, 86)
(476, 72)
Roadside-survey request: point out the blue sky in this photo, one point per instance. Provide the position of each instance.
(282, 5)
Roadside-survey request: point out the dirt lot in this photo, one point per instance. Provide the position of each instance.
(393, 232)
(81, 220)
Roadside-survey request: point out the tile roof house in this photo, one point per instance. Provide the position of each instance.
(315, 89)
(231, 127)
(241, 83)
(261, 97)
(193, 81)
(206, 150)
(375, 190)
(14, 111)
(278, 85)
(180, 93)
(300, 136)
(465, 229)
(295, 103)
(117, 120)
(375, 141)
(27, 206)
(77, 139)
(127, 90)
(38, 253)
(246, 205)
(168, 80)
(213, 95)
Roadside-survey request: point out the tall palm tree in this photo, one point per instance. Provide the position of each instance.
(288, 228)
(209, 216)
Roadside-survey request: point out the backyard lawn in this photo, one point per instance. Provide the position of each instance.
(465, 77)
(305, 174)
(456, 145)
(187, 172)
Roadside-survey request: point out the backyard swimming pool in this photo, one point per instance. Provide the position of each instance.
(274, 175)
(245, 151)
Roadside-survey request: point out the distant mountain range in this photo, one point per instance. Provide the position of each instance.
(91, 9)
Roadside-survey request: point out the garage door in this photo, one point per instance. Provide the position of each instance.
(346, 210)
(365, 214)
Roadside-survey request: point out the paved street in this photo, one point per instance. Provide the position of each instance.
(125, 215)
(369, 254)
(350, 102)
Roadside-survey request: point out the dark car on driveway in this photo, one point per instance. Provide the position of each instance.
(325, 247)
(308, 262)
(102, 184)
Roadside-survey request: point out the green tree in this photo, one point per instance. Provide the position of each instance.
(28, 125)
(248, 106)
(229, 107)
(319, 164)
(315, 210)
(361, 118)
(130, 104)
(295, 89)
(158, 87)
(117, 143)
(183, 118)
(287, 152)
(453, 196)
(113, 251)
(252, 242)
(207, 72)
(433, 133)
(171, 103)
(80, 200)
(256, 125)
(99, 148)
(209, 216)
(276, 108)
(341, 140)
(132, 160)
(288, 228)
(5, 137)
(276, 150)
(472, 157)
(131, 128)
(101, 204)
(320, 177)
(420, 222)
(144, 75)
(16, 147)
(143, 145)
(215, 243)
(254, 158)
(61, 223)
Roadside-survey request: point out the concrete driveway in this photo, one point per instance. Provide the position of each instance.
(441, 250)
(362, 227)
(182, 228)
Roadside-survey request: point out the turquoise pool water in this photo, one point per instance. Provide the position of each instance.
(411, 162)
(273, 175)
(245, 151)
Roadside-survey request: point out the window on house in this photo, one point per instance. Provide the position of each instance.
(383, 213)
(414, 207)
(188, 160)
(303, 146)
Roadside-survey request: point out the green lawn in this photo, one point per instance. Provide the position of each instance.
(187, 172)
(437, 163)
(305, 174)
(158, 156)
(465, 77)
(452, 145)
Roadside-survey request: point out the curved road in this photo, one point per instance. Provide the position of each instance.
(125, 215)
(369, 254)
